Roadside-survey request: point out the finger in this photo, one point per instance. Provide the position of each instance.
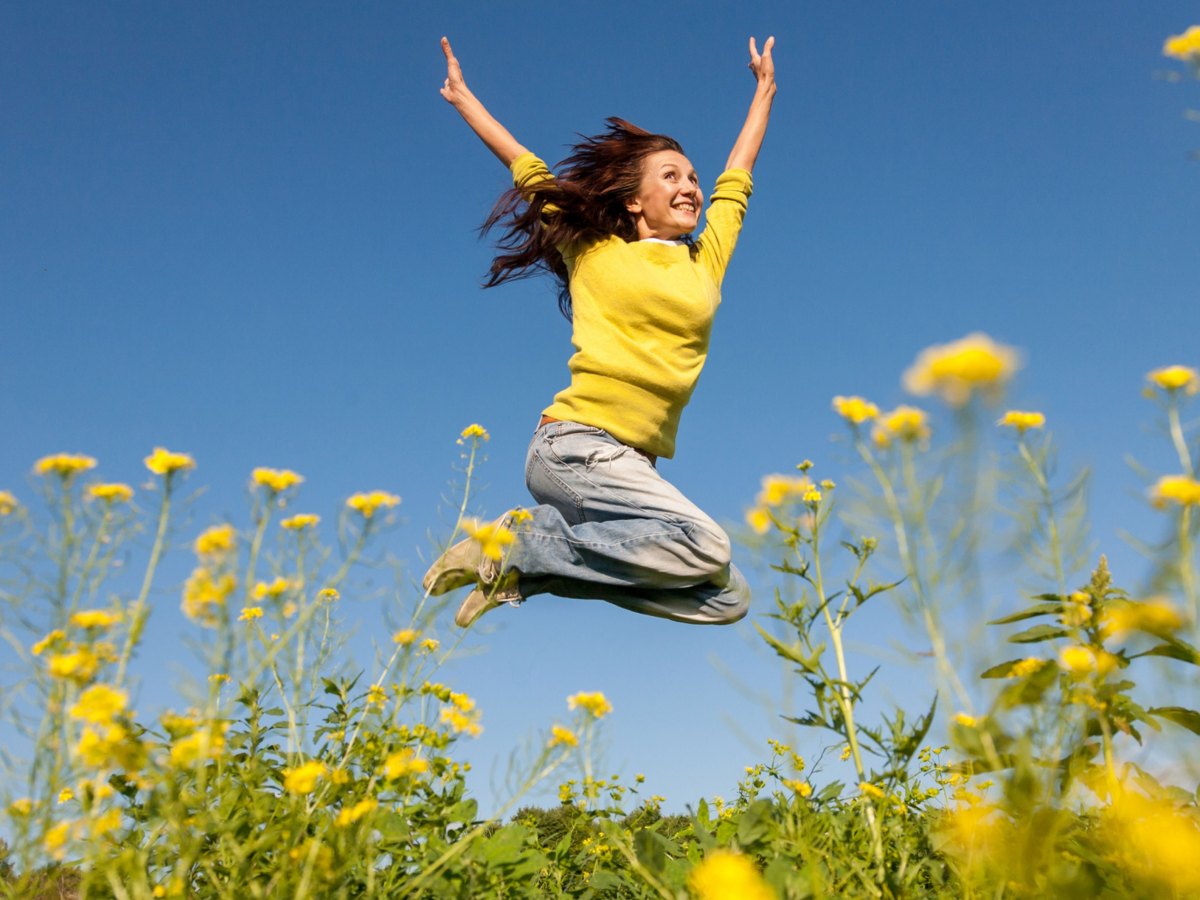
(446, 48)
(768, 45)
(753, 48)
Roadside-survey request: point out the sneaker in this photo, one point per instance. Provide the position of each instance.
(477, 603)
(456, 567)
(487, 597)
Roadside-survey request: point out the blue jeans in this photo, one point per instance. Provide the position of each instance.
(608, 527)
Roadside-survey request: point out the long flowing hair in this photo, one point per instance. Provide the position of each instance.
(588, 196)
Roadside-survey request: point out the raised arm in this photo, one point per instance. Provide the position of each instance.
(494, 135)
(745, 149)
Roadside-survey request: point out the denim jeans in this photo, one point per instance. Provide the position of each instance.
(608, 527)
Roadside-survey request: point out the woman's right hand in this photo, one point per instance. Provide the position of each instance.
(455, 89)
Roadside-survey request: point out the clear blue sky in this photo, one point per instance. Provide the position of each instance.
(247, 231)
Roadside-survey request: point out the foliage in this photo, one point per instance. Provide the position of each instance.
(287, 774)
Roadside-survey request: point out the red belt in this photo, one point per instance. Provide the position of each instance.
(546, 420)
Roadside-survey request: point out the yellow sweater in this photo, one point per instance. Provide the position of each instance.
(643, 312)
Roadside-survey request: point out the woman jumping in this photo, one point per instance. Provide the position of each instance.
(613, 227)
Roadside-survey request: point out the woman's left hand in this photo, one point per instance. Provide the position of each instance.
(762, 65)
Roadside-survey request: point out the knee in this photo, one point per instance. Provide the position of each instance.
(714, 552)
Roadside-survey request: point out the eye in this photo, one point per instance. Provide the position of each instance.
(693, 179)
(670, 176)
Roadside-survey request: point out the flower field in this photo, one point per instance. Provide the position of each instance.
(281, 777)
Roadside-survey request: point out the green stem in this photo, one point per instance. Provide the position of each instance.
(139, 613)
(1060, 580)
(1187, 574)
(1177, 438)
(845, 699)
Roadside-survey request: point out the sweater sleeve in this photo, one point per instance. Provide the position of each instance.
(527, 169)
(727, 208)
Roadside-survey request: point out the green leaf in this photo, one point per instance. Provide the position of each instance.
(1042, 609)
(1173, 649)
(794, 651)
(861, 596)
(651, 850)
(754, 823)
(1037, 634)
(1003, 670)
(1185, 718)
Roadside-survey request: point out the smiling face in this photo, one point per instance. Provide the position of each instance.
(669, 199)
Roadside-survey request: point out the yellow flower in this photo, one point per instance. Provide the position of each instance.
(352, 814)
(908, 423)
(759, 519)
(800, 788)
(461, 722)
(430, 645)
(328, 594)
(95, 618)
(1181, 489)
(519, 516)
(376, 696)
(112, 747)
(845, 755)
(216, 540)
(474, 431)
(405, 636)
(812, 495)
(1174, 378)
(53, 639)
(56, 839)
(21, 807)
(368, 503)
(64, 465)
(204, 596)
(870, 790)
(462, 701)
(112, 493)
(8, 503)
(726, 875)
(967, 721)
(595, 703)
(78, 665)
(1022, 421)
(1083, 660)
(274, 589)
(303, 778)
(492, 537)
(855, 409)
(289, 609)
(275, 480)
(219, 678)
(164, 462)
(1184, 46)
(204, 744)
(957, 370)
(250, 613)
(99, 704)
(1026, 667)
(301, 521)
(779, 489)
(404, 763)
(106, 822)
(562, 736)
(1156, 840)
(1156, 617)
(66, 795)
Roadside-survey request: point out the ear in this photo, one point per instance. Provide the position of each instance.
(634, 205)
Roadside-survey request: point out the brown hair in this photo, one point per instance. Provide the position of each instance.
(589, 195)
